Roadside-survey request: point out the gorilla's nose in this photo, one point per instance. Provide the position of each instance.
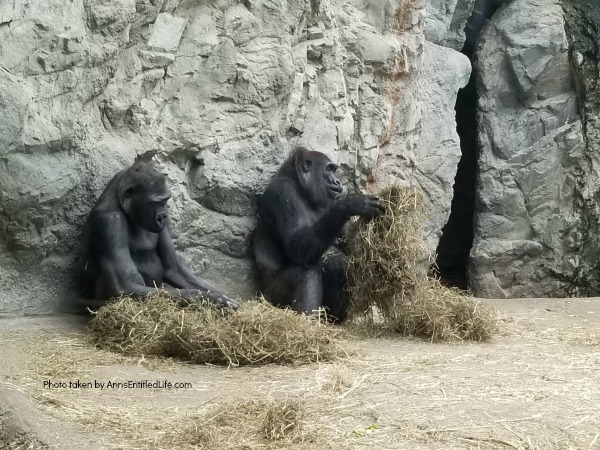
(337, 186)
(161, 218)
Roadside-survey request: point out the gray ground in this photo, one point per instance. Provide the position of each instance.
(537, 386)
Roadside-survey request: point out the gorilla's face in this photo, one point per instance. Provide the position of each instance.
(149, 209)
(318, 178)
(333, 185)
(143, 195)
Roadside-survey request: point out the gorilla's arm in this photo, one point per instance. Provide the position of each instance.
(118, 273)
(305, 242)
(178, 275)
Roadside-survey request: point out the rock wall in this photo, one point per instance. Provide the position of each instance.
(215, 93)
(446, 22)
(582, 23)
(528, 223)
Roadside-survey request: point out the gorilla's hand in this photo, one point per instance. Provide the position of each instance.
(217, 299)
(221, 301)
(362, 205)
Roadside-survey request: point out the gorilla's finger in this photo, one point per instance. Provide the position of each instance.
(232, 305)
(226, 302)
(221, 301)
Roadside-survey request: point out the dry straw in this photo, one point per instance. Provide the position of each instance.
(386, 253)
(388, 273)
(440, 313)
(258, 333)
(242, 424)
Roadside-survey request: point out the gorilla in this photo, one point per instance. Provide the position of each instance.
(301, 214)
(126, 247)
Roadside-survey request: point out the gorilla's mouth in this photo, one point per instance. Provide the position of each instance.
(335, 190)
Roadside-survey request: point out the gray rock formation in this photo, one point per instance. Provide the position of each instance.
(216, 94)
(583, 29)
(446, 22)
(436, 158)
(424, 152)
(528, 237)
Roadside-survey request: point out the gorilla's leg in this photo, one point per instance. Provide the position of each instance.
(335, 282)
(297, 287)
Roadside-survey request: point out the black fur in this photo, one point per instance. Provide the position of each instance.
(126, 247)
(301, 215)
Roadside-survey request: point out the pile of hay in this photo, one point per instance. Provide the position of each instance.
(242, 424)
(258, 333)
(388, 265)
(439, 313)
(387, 252)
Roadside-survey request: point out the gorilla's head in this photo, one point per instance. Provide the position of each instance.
(143, 195)
(316, 175)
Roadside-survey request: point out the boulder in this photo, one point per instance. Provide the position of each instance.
(527, 226)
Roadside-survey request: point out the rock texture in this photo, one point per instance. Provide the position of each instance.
(528, 225)
(583, 28)
(216, 94)
(446, 22)
(425, 150)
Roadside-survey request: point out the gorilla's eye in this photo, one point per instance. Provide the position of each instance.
(159, 199)
(129, 193)
(331, 167)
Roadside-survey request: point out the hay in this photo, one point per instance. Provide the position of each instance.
(387, 270)
(241, 424)
(335, 379)
(440, 313)
(283, 420)
(386, 253)
(544, 401)
(258, 333)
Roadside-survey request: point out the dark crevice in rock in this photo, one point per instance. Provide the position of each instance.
(457, 235)
(582, 25)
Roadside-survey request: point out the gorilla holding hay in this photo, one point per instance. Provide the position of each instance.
(126, 246)
(301, 214)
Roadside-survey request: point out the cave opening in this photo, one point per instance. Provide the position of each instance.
(457, 235)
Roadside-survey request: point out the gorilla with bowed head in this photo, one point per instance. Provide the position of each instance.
(126, 246)
(301, 214)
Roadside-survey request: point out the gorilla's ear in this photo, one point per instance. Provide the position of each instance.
(125, 193)
(306, 165)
